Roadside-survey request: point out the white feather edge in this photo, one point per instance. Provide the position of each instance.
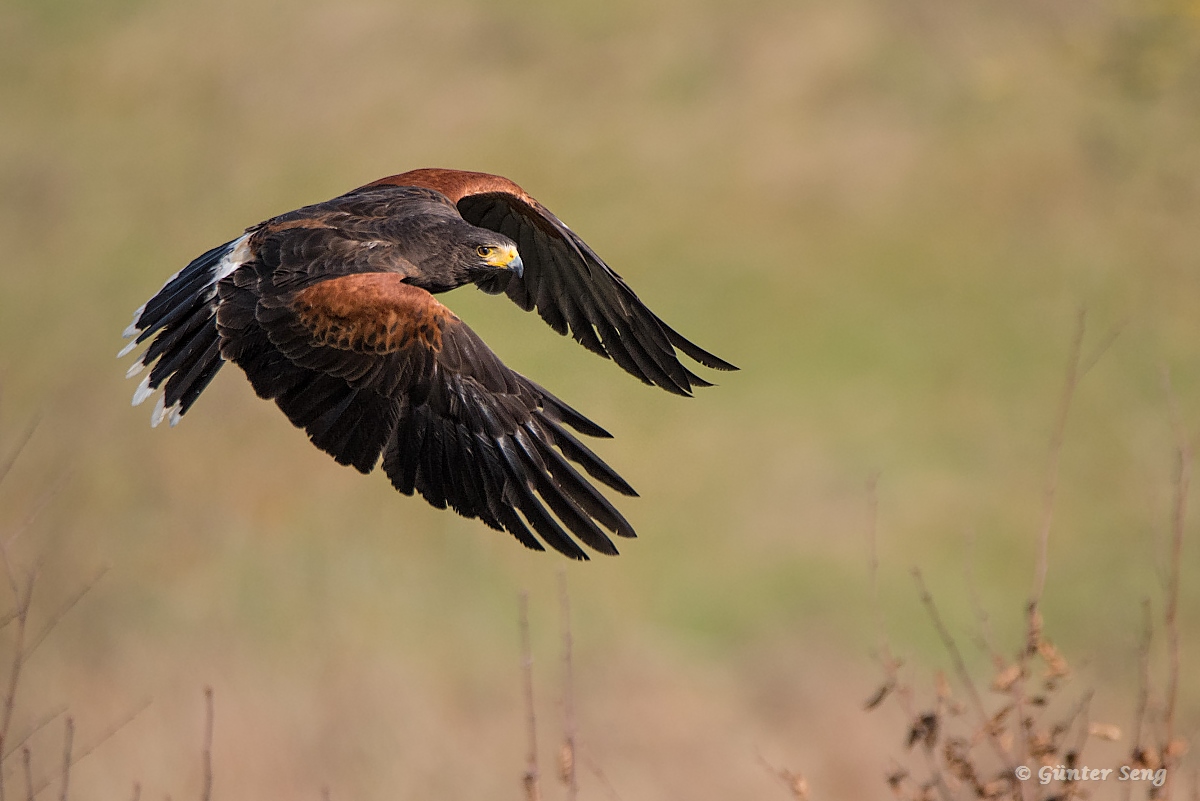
(132, 328)
(125, 350)
(142, 392)
(135, 368)
(236, 257)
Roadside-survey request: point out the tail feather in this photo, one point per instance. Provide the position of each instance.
(185, 353)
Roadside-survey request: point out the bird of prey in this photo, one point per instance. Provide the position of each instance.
(330, 311)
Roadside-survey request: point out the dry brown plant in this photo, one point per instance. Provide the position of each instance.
(994, 750)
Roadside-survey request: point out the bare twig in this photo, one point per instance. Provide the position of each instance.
(1143, 696)
(796, 783)
(62, 611)
(1033, 625)
(41, 723)
(81, 754)
(1099, 351)
(1178, 522)
(985, 623)
(137, 792)
(24, 599)
(1082, 711)
(39, 506)
(20, 446)
(960, 668)
(66, 763)
(533, 790)
(873, 563)
(27, 761)
(891, 665)
(206, 753)
(1056, 446)
(567, 769)
(609, 790)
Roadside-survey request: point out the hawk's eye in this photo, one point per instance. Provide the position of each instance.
(485, 251)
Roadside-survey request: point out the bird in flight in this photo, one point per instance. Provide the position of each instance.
(330, 312)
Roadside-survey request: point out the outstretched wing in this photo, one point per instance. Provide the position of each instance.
(370, 366)
(570, 286)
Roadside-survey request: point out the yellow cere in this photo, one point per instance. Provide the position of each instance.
(499, 256)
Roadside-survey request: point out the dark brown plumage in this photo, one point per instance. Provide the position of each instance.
(329, 311)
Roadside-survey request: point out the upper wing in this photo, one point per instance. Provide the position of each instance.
(369, 365)
(345, 235)
(571, 287)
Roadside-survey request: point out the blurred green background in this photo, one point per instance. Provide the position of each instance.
(888, 215)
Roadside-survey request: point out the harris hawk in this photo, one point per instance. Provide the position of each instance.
(330, 312)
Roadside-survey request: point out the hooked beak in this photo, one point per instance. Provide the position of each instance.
(507, 258)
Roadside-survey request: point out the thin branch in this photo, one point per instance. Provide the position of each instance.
(62, 611)
(1033, 625)
(960, 667)
(1183, 477)
(533, 790)
(24, 599)
(891, 665)
(106, 735)
(1102, 348)
(44, 721)
(796, 783)
(1143, 696)
(137, 792)
(985, 623)
(567, 762)
(609, 790)
(66, 763)
(206, 753)
(1082, 711)
(39, 506)
(27, 761)
(20, 446)
(873, 563)
(1056, 446)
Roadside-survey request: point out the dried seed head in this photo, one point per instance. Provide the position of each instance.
(884, 690)
(1003, 681)
(1042, 747)
(1035, 630)
(1105, 731)
(1056, 666)
(533, 791)
(895, 781)
(996, 788)
(798, 785)
(1147, 757)
(957, 753)
(944, 693)
(925, 731)
(996, 724)
(566, 762)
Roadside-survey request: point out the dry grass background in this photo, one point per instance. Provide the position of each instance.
(886, 214)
